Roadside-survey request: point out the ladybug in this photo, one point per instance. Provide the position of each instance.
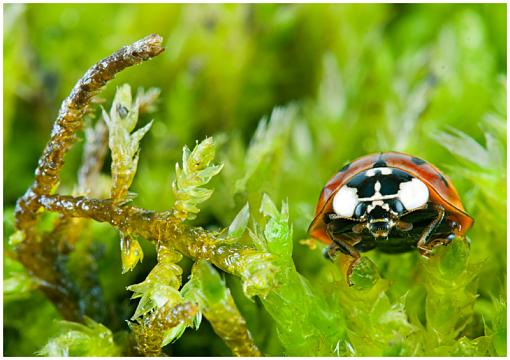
(390, 201)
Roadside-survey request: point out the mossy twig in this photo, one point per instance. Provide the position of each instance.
(150, 333)
(218, 306)
(252, 265)
(69, 120)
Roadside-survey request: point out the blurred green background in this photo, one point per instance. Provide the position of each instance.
(359, 79)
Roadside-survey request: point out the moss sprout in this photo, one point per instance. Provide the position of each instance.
(88, 339)
(208, 290)
(194, 173)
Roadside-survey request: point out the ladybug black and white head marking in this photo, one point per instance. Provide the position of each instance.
(379, 196)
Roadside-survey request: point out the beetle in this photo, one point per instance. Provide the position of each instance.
(390, 201)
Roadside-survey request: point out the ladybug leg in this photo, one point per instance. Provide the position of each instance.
(403, 226)
(346, 246)
(425, 244)
(330, 252)
(440, 241)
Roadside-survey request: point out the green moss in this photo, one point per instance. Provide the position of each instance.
(284, 95)
(90, 339)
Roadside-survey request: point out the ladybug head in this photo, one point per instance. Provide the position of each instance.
(379, 221)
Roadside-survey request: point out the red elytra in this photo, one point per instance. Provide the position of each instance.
(441, 189)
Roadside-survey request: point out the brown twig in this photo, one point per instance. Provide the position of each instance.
(150, 334)
(193, 242)
(69, 120)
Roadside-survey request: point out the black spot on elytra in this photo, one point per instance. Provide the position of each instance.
(444, 180)
(345, 167)
(326, 219)
(380, 163)
(418, 161)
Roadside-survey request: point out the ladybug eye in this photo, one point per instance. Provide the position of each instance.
(396, 205)
(413, 194)
(345, 201)
(360, 210)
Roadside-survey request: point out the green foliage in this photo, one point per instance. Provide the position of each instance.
(195, 173)
(124, 145)
(284, 95)
(206, 287)
(160, 286)
(88, 339)
(377, 324)
(214, 299)
(499, 328)
(125, 149)
(299, 312)
(130, 251)
(240, 222)
(266, 147)
(17, 282)
(160, 292)
(450, 273)
(364, 275)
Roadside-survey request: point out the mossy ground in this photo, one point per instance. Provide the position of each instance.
(289, 93)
